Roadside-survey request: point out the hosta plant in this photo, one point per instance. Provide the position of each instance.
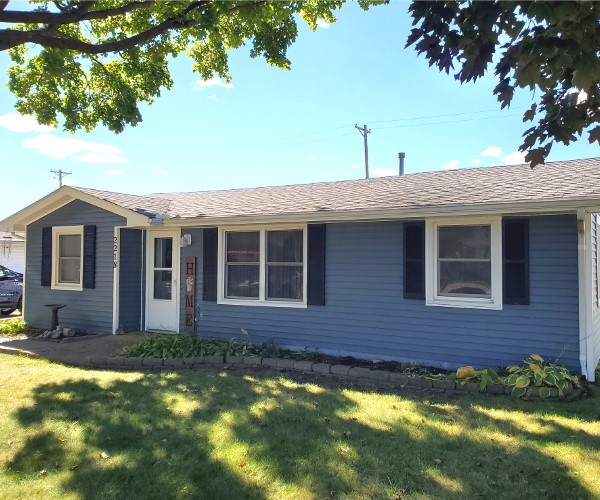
(484, 377)
(538, 373)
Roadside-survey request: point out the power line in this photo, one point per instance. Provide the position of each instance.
(59, 174)
(449, 121)
(286, 146)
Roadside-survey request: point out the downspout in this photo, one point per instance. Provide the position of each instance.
(142, 272)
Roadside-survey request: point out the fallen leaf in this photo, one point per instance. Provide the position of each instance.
(104, 455)
(73, 467)
(43, 472)
(9, 442)
(343, 449)
(347, 434)
(242, 464)
(437, 460)
(394, 407)
(62, 439)
(327, 420)
(315, 404)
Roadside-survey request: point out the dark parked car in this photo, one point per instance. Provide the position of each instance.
(11, 291)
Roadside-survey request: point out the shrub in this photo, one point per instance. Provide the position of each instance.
(537, 373)
(484, 377)
(13, 326)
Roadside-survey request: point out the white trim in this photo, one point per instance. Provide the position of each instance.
(431, 268)
(586, 299)
(116, 271)
(176, 256)
(262, 301)
(57, 232)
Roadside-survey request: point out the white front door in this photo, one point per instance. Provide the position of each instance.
(162, 291)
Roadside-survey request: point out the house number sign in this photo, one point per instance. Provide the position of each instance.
(190, 293)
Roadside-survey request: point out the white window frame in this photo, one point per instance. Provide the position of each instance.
(262, 300)
(431, 261)
(57, 232)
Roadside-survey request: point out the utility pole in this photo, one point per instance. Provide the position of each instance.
(364, 131)
(59, 174)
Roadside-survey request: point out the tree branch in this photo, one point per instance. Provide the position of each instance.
(13, 38)
(80, 14)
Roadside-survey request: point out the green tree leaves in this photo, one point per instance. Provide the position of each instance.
(552, 48)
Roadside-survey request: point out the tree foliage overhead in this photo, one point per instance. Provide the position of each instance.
(93, 62)
(86, 63)
(552, 48)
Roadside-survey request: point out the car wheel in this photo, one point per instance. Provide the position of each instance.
(6, 312)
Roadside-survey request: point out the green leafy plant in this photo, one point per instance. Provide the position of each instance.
(12, 327)
(484, 377)
(537, 373)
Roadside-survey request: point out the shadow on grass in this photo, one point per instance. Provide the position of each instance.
(232, 436)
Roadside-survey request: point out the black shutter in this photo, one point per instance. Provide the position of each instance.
(414, 260)
(316, 264)
(515, 265)
(209, 264)
(46, 256)
(89, 256)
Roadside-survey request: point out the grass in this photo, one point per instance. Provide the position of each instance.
(262, 435)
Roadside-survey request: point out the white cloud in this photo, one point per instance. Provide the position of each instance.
(475, 161)
(311, 158)
(213, 82)
(357, 165)
(383, 172)
(114, 172)
(61, 147)
(514, 158)
(22, 123)
(450, 164)
(160, 171)
(211, 98)
(321, 23)
(492, 151)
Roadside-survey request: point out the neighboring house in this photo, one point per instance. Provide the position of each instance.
(12, 251)
(478, 266)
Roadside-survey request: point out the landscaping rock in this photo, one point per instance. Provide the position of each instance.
(47, 334)
(321, 368)
(213, 360)
(303, 365)
(56, 334)
(68, 332)
(359, 372)
(197, 360)
(419, 382)
(152, 361)
(443, 384)
(252, 360)
(285, 363)
(495, 389)
(272, 362)
(234, 360)
(381, 375)
(132, 361)
(398, 378)
(340, 370)
(172, 362)
(468, 387)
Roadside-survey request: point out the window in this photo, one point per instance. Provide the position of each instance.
(67, 262)
(263, 267)
(464, 263)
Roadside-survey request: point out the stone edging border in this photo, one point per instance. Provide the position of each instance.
(360, 375)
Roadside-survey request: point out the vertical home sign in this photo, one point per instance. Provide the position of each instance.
(190, 293)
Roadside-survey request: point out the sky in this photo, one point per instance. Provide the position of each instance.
(272, 127)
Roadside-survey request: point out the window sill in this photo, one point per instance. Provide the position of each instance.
(264, 303)
(465, 303)
(73, 288)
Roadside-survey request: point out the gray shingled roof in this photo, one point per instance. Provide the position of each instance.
(562, 180)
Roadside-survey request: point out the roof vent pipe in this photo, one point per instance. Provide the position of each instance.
(401, 157)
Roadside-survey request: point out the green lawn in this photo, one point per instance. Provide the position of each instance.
(262, 435)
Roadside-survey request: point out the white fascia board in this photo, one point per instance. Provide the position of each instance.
(58, 199)
(528, 208)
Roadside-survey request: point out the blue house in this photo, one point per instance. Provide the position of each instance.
(480, 266)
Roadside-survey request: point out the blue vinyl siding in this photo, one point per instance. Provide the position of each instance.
(366, 315)
(88, 310)
(131, 279)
